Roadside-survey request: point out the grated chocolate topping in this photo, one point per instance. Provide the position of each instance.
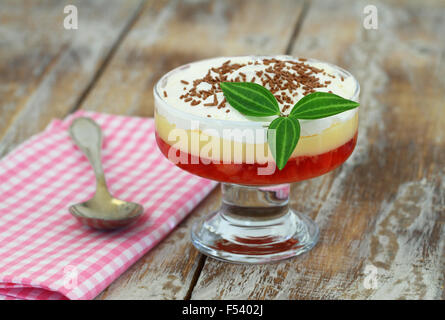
(281, 77)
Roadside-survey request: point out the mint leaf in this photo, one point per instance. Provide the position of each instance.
(250, 99)
(320, 105)
(282, 136)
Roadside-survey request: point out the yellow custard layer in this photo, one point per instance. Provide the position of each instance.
(214, 147)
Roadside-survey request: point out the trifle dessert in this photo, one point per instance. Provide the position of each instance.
(201, 132)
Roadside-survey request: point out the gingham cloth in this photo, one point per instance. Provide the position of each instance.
(45, 253)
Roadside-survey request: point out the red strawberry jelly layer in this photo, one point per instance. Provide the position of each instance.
(296, 169)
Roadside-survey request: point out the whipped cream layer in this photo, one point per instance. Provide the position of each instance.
(172, 88)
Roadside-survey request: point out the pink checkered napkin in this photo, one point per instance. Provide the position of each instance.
(45, 253)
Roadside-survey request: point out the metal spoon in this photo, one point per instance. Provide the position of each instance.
(102, 211)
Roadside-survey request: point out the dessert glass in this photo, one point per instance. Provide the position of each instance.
(254, 223)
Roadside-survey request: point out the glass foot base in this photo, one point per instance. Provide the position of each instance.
(233, 239)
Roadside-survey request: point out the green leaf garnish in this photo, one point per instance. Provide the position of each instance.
(282, 136)
(319, 105)
(250, 99)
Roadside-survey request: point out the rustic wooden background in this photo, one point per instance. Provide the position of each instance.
(384, 207)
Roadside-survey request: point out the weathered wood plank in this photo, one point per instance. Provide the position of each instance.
(385, 207)
(46, 69)
(167, 35)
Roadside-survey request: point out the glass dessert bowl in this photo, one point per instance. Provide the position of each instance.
(199, 131)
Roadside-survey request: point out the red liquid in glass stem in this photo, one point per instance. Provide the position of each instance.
(296, 169)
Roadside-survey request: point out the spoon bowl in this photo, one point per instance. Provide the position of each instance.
(109, 216)
(103, 211)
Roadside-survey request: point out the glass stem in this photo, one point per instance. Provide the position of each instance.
(258, 203)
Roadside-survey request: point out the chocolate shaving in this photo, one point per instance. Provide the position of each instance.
(281, 77)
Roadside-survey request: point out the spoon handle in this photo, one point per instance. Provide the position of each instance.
(87, 135)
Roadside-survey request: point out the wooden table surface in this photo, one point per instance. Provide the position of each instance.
(381, 213)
